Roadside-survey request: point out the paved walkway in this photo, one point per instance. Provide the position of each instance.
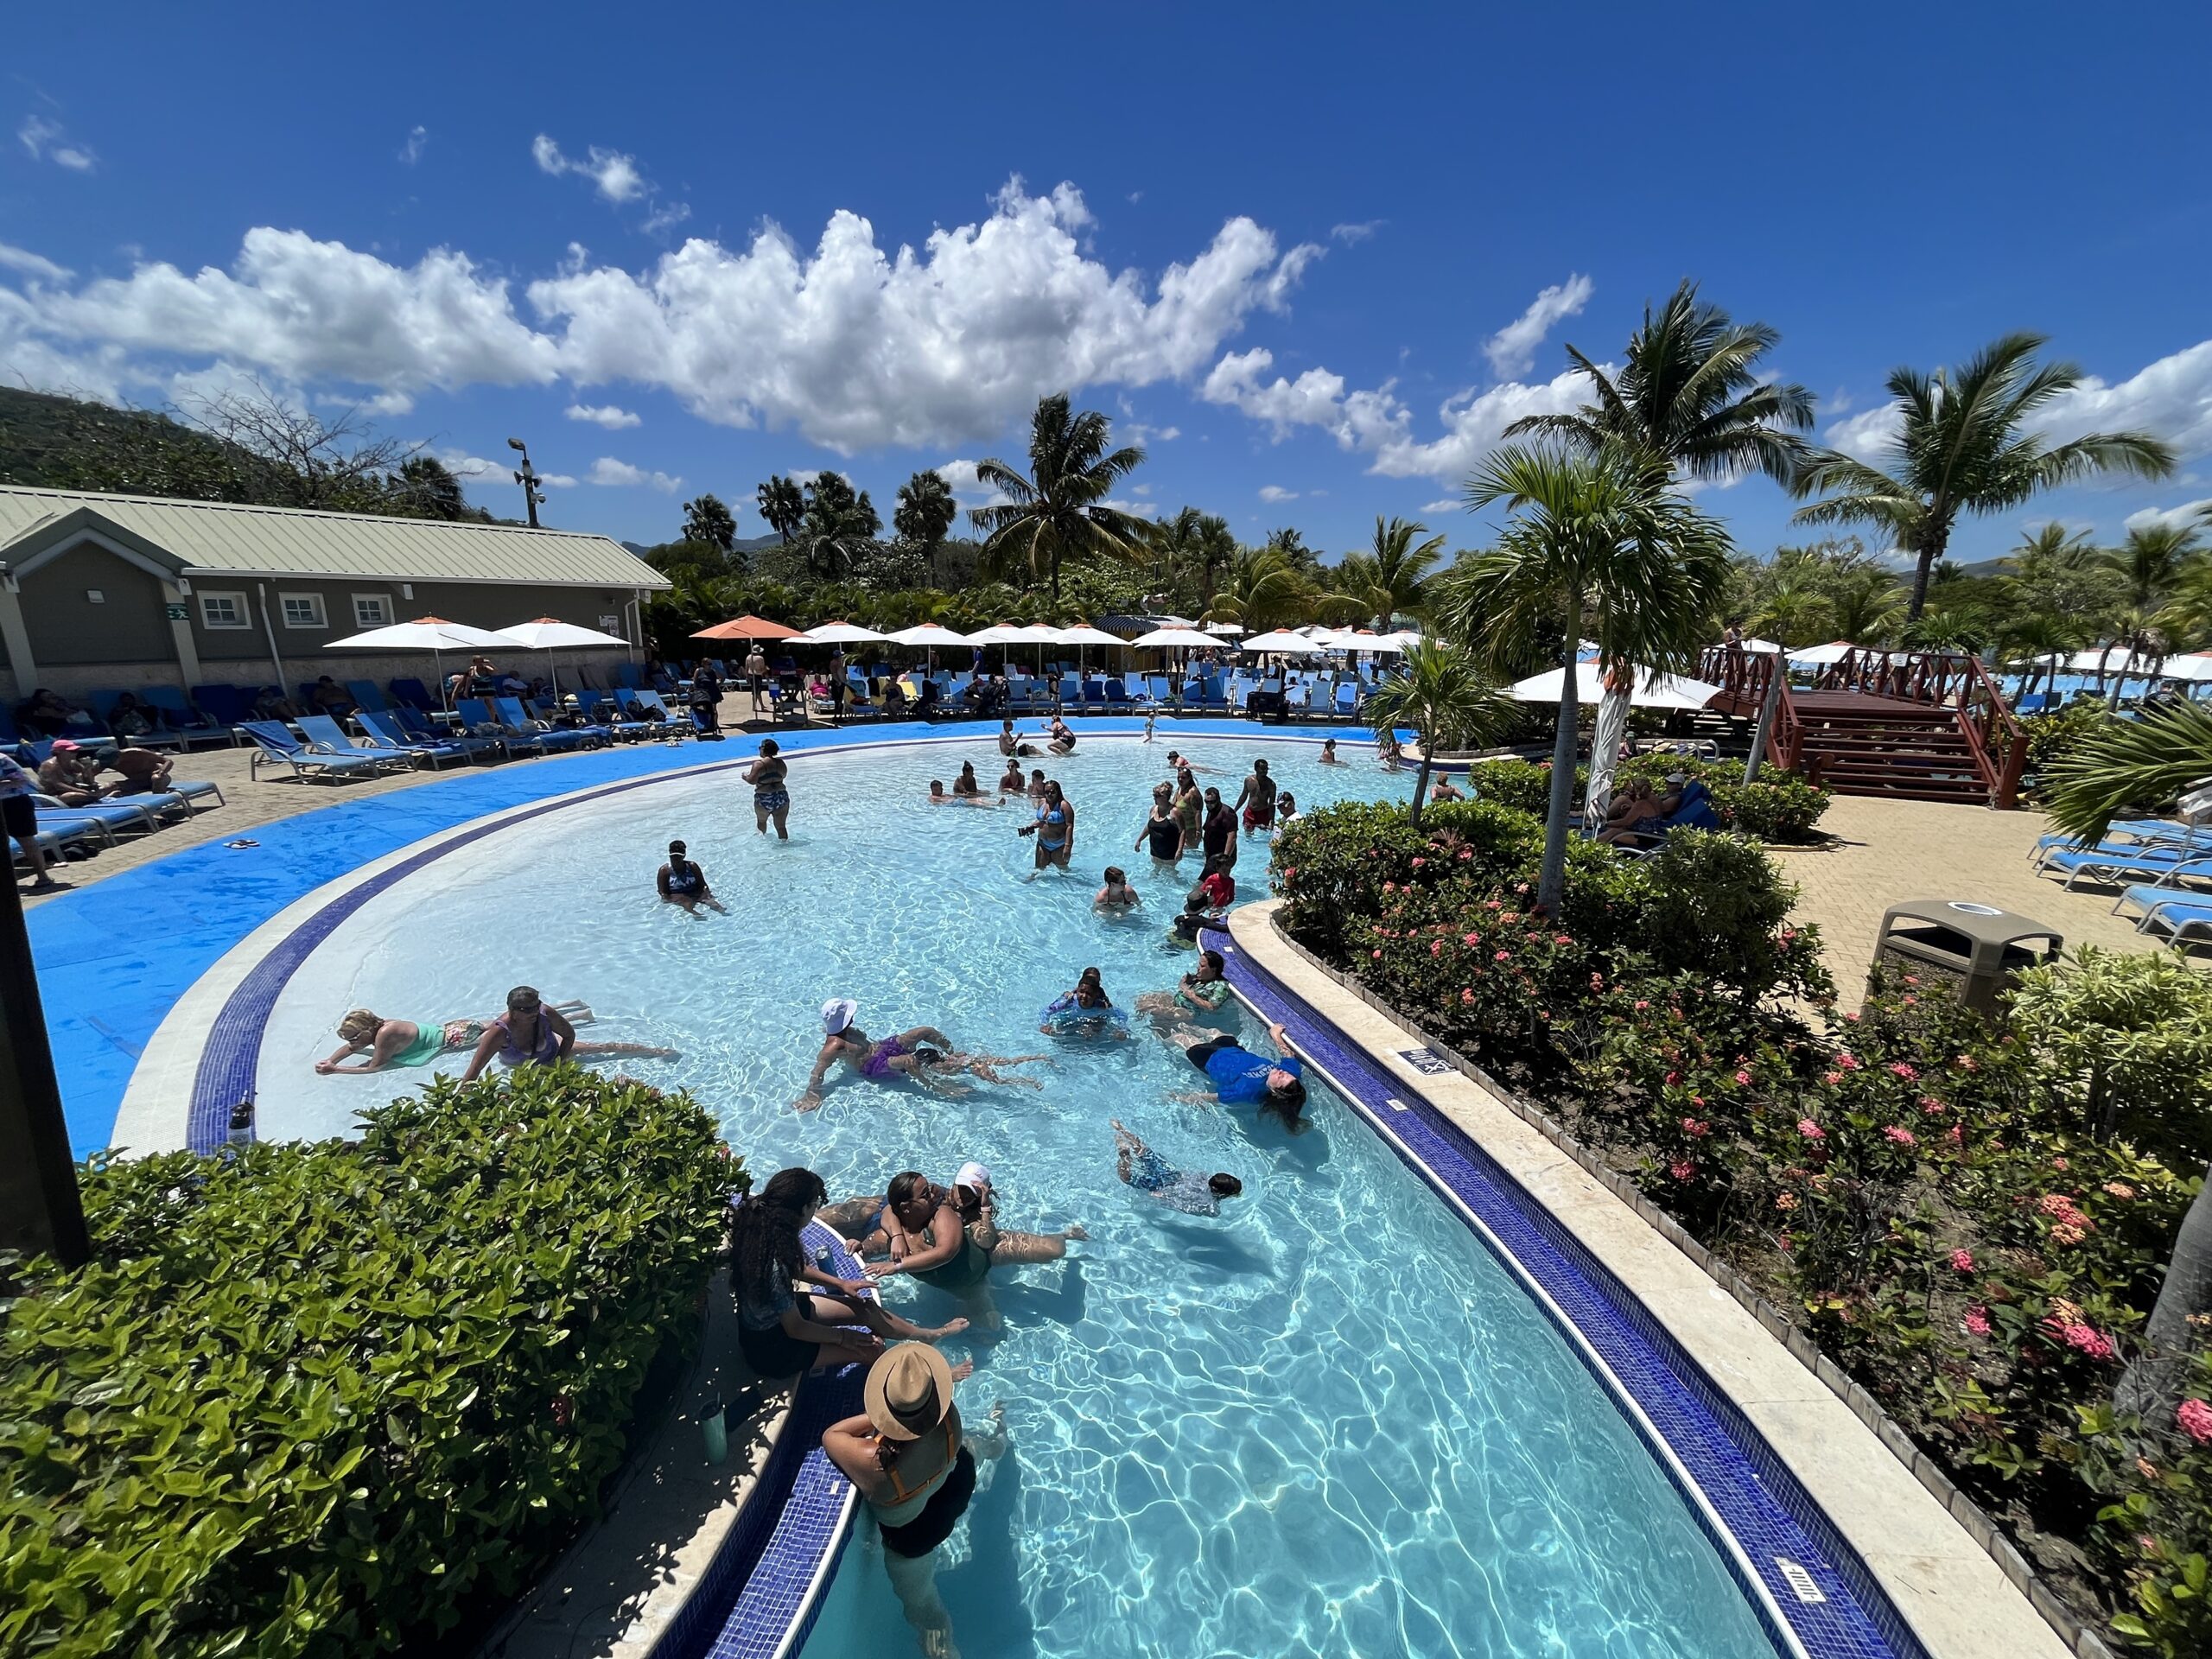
(1885, 852)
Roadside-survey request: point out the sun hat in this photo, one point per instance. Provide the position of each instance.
(837, 1013)
(908, 1391)
(972, 1174)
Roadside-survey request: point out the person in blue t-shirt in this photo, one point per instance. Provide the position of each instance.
(1240, 1077)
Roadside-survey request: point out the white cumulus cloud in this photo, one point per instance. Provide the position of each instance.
(853, 344)
(1276, 493)
(616, 176)
(621, 474)
(1351, 235)
(35, 266)
(1449, 504)
(1512, 349)
(612, 417)
(2188, 515)
(46, 141)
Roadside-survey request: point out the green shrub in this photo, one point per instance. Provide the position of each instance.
(1779, 806)
(2059, 732)
(332, 1398)
(2124, 1039)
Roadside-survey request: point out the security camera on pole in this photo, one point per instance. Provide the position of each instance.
(531, 495)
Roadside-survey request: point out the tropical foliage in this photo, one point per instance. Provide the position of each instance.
(1443, 696)
(321, 1398)
(1059, 508)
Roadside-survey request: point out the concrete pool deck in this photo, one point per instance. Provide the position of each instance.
(1948, 1587)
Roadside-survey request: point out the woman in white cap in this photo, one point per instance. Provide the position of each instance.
(909, 1459)
(920, 1054)
(946, 1237)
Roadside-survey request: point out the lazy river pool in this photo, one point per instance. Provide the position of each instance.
(1329, 1422)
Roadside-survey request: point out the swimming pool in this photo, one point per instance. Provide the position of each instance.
(1331, 1422)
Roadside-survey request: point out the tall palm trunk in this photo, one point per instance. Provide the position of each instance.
(1420, 783)
(1551, 885)
(1936, 540)
(2151, 1386)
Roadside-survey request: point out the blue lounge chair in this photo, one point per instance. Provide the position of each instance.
(387, 735)
(1347, 701)
(2109, 864)
(650, 703)
(2126, 832)
(230, 705)
(365, 696)
(629, 677)
(326, 737)
(273, 742)
(2179, 914)
(477, 714)
(188, 724)
(416, 727)
(412, 693)
(603, 711)
(562, 740)
(110, 815)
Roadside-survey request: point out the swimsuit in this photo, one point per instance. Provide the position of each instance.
(547, 1050)
(878, 1061)
(772, 795)
(1057, 817)
(768, 1348)
(685, 879)
(928, 1513)
(967, 1267)
(1151, 1174)
(1166, 838)
(429, 1043)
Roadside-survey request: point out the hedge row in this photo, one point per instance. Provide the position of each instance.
(1777, 806)
(1973, 1223)
(337, 1398)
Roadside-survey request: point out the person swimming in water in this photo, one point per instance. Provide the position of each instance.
(395, 1042)
(1329, 757)
(1387, 749)
(683, 884)
(1117, 895)
(937, 796)
(531, 1034)
(1054, 828)
(1013, 783)
(1145, 1170)
(924, 1055)
(1086, 1011)
(1443, 788)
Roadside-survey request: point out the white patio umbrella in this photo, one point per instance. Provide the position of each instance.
(549, 634)
(1649, 691)
(432, 633)
(1190, 638)
(931, 634)
(1822, 656)
(1283, 642)
(842, 633)
(1083, 634)
(1766, 645)
(1229, 630)
(2188, 666)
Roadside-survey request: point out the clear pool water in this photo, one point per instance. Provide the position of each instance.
(1328, 1423)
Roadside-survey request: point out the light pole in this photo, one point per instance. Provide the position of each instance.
(528, 479)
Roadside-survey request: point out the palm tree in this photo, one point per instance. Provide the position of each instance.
(1391, 577)
(2039, 640)
(1692, 393)
(1963, 447)
(1190, 541)
(1865, 604)
(2150, 562)
(2187, 617)
(782, 505)
(838, 524)
(1263, 591)
(1600, 545)
(924, 514)
(1441, 693)
(1058, 507)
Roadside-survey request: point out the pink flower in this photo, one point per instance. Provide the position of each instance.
(1811, 1130)
(1492, 904)
(1520, 886)
(2082, 1338)
(1681, 1170)
(1899, 1134)
(1471, 938)
(1955, 1135)
(1852, 1014)
(1744, 1079)
(1374, 956)
(2119, 1189)
(1389, 887)
(1692, 1126)
(1674, 1077)
(2195, 1419)
(1418, 862)
(1642, 1006)
(1898, 1068)
(1977, 1321)
(2060, 1163)
(1963, 1261)
(1832, 1079)
(1562, 939)
(1965, 1063)
(1788, 934)
(1465, 854)
(1502, 955)
(1847, 1062)
(1467, 994)
(1785, 1201)
(1436, 947)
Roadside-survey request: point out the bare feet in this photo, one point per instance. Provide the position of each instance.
(1078, 1231)
(950, 1328)
(963, 1370)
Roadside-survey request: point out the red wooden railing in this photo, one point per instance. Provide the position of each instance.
(1932, 679)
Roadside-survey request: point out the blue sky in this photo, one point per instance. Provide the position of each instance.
(1316, 257)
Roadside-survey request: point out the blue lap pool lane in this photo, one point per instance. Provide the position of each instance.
(1758, 1513)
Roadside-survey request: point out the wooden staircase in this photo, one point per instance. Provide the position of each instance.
(1905, 725)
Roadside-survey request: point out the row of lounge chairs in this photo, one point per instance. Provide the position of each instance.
(316, 748)
(2162, 867)
(83, 831)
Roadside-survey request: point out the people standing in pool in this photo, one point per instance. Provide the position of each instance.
(914, 1464)
(967, 786)
(1037, 783)
(1012, 782)
(1117, 896)
(1054, 828)
(1161, 835)
(684, 884)
(1329, 757)
(1387, 750)
(1190, 809)
(923, 1054)
(771, 800)
(782, 1331)
(1443, 788)
(1285, 809)
(1142, 1168)
(530, 1034)
(1257, 800)
(1218, 833)
(1009, 745)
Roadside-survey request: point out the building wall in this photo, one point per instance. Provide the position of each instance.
(67, 628)
(126, 641)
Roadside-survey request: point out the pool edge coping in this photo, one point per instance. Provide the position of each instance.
(1712, 1333)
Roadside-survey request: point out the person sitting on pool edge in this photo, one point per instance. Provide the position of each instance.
(684, 884)
(1140, 1167)
(1240, 1076)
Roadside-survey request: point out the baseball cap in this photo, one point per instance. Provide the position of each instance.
(63, 746)
(972, 1174)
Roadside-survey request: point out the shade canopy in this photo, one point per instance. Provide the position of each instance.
(1083, 634)
(1190, 637)
(2187, 665)
(748, 627)
(1361, 639)
(549, 633)
(930, 633)
(1015, 634)
(1766, 645)
(840, 634)
(1226, 629)
(1284, 642)
(1823, 656)
(427, 633)
(1649, 691)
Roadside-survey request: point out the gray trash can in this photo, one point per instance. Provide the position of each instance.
(1973, 949)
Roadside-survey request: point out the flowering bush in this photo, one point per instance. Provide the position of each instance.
(1779, 806)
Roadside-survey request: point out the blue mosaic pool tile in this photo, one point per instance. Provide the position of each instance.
(1762, 1506)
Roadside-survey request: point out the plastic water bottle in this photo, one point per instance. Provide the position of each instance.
(717, 1434)
(241, 1130)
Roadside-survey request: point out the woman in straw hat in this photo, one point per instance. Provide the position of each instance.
(907, 1458)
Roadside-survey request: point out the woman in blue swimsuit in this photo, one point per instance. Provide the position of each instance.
(683, 883)
(1054, 828)
(530, 1034)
